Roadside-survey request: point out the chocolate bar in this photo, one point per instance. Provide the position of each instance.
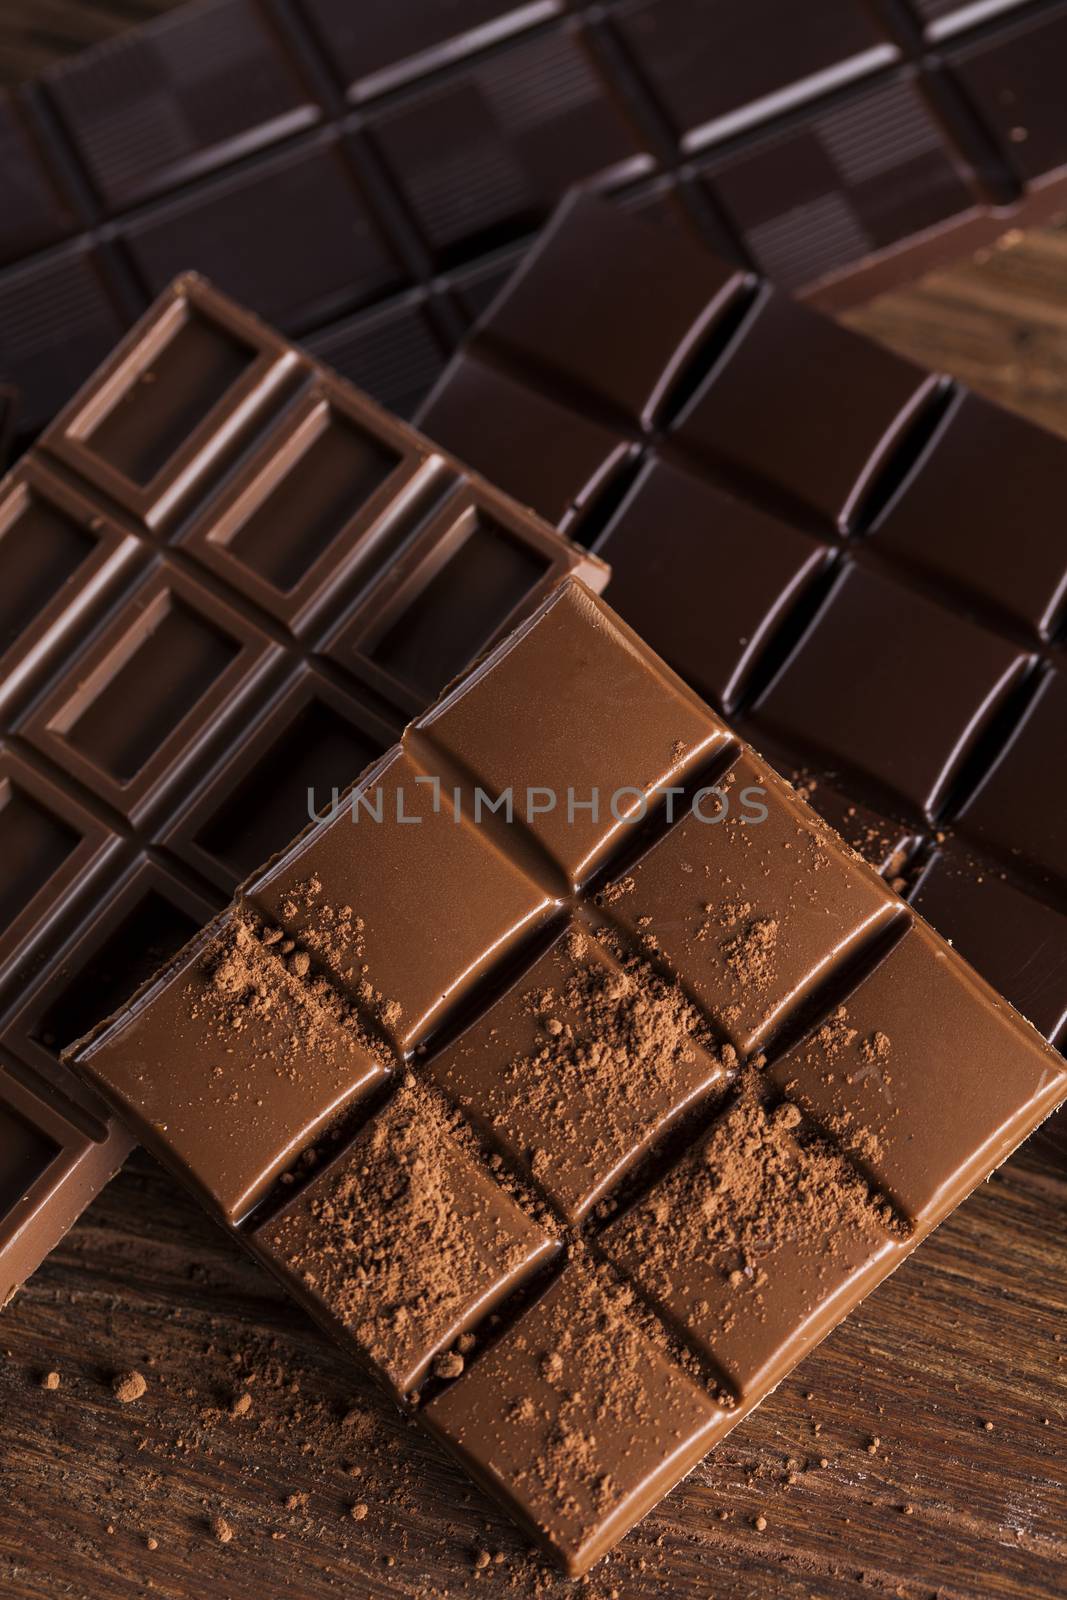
(574, 1074)
(229, 580)
(359, 180)
(858, 562)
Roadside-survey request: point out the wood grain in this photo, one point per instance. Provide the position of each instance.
(957, 1366)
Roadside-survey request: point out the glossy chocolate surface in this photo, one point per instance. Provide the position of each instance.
(407, 158)
(577, 1380)
(956, 1091)
(229, 580)
(668, 1082)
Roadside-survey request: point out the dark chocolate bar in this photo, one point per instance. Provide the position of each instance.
(228, 580)
(574, 1074)
(861, 563)
(357, 178)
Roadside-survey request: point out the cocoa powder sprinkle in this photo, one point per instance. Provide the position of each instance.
(129, 1386)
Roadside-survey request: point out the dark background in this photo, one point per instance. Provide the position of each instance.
(972, 1331)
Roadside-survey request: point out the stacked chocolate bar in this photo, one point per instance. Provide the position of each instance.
(859, 562)
(229, 582)
(364, 174)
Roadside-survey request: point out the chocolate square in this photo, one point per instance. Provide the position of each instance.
(914, 1075)
(857, 688)
(749, 903)
(584, 1063)
(482, 155)
(273, 1058)
(354, 889)
(807, 411)
(578, 803)
(756, 1245)
(403, 1243)
(160, 107)
(577, 1419)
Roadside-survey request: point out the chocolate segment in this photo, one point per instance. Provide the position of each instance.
(547, 455)
(871, 708)
(837, 154)
(577, 1420)
(125, 925)
(852, 176)
(1017, 811)
(581, 1066)
(610, 1057)
(61, 558)
(159, 107)
(1017, 942)
(56, 1152)
(756, 1245)
(51, 842)
(731, 901)
(171, 662)
(576, 802)
(530, 122)
(321, 505)
(403, 1243)
(870, 1072)
(278, 1056)
(330, 253)
(579, 340)
(831, 384)
(229, 581)
(354, 889)
(472, 571)
(294, 753)
(952, 516)
(757, 566)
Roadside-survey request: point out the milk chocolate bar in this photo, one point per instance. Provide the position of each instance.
(359, 180)
(228, 581)
(574, 1074)
(859, 562)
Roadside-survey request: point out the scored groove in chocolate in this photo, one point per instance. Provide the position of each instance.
(8, 417)
(761, 1231)
(179, 668)
(815, 533)
(411, 162)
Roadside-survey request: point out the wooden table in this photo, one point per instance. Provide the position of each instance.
(919, 1453)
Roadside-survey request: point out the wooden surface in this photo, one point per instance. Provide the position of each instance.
(957, 1366)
